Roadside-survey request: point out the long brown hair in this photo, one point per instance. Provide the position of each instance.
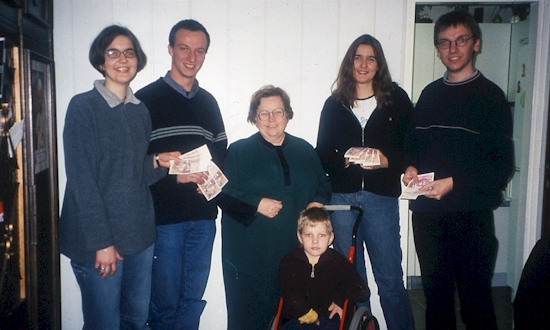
(343, 88)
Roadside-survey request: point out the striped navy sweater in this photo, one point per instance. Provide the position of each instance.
(464, 131)
(182, 124)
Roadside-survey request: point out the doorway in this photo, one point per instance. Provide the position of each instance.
(520, 217)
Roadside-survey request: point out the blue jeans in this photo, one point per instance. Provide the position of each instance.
(181, 266)
(379, 231)
(120, 301)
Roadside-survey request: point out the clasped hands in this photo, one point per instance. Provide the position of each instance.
(105, 261)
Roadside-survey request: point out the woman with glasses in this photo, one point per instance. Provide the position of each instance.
(281, 175)
(107, 224)
(366, 109)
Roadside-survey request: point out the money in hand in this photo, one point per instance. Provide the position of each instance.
(194, 161)
(216, 180)
(411, 191)
(363, 156)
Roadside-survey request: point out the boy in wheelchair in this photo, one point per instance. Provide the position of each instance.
(314, 280)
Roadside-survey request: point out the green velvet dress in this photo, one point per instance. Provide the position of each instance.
(253, 248)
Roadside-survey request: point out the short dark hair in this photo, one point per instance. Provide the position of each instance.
(312, 217)
(267, 91)
(454, 19)
(344, 87)
(105, 38)
(191, 25)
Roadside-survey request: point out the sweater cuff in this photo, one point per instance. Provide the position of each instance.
(238, 210)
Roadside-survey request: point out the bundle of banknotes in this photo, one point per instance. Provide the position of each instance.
(411, 190)
(200, 160)
(363, 156)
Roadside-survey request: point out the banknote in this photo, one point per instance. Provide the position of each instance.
(411, 191)
(363, 156)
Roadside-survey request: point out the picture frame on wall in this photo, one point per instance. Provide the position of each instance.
(39, 11)
(40, 101)
(40, 161)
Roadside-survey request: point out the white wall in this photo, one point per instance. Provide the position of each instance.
(294, 44)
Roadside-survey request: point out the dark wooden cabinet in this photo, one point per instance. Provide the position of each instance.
(29, 258)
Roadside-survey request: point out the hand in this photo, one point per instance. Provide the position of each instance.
(383, 162)
(438, 188)
(166, 157)
(269, 207)
(314, 204)
(198, 178)
(411, 174)
(105, 260)
(335, 309)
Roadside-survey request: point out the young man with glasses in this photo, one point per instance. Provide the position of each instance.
(461, 130)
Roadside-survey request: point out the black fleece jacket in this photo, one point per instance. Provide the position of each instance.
(339, 129)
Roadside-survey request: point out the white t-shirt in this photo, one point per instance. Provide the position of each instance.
(363, 109)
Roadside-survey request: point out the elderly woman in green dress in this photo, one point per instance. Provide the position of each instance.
(280, 174)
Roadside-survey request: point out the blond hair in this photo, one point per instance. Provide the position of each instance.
(313, 216)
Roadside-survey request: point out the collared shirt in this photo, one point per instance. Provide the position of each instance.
(179, 88)
(111, 98)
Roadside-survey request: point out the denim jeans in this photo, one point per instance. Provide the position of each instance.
(181, 266)
(457, 248)
(379, 231)
(119, 301)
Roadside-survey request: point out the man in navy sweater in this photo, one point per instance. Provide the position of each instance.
(461, 130)
(184, 117)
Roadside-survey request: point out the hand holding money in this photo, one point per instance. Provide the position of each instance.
(438, 188)
(366, 157)
(198, 178)
(414, 184)
(215, 180)
(194, 161)
(382, 159)
(197, 166)
(165, 159)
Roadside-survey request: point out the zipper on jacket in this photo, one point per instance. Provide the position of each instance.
(363, 145)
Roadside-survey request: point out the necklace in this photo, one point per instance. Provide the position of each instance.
(365, 98)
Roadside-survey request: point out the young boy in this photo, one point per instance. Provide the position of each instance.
(315, 280)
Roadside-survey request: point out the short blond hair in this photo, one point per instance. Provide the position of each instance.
(313, 216)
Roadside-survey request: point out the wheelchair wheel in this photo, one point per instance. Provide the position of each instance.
(363, 320)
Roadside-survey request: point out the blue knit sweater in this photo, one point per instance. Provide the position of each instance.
(107, 200)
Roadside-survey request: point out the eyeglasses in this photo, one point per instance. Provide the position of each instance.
(115, 53)
(277, 113)
(459, 42)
